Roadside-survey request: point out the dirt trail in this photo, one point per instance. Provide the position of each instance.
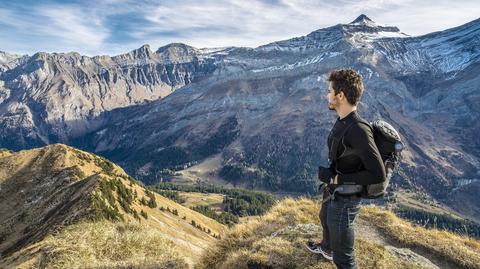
(369, 232)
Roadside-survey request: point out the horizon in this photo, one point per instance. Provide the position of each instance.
(113, 27)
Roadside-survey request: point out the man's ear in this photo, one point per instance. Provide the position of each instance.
(341, 95)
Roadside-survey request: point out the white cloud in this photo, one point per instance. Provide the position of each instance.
(254, 23)
(238, 23)
(72, 27)
(209, 23)
(52, 28)
(423, 17)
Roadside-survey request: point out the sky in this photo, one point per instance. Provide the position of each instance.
(112, 27)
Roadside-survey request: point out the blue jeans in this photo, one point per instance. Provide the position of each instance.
(337, 217)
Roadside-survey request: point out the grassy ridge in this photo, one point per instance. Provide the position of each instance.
(277, 240)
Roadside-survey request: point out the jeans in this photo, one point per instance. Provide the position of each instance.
(337, 217)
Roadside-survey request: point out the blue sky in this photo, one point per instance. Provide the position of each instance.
(117, 26)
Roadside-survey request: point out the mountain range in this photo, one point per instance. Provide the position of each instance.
(257, 117)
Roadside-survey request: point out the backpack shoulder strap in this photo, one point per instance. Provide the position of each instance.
(364, 122)
(334, 147)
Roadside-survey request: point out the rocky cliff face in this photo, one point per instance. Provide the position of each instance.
(49, 98)
(263, 110)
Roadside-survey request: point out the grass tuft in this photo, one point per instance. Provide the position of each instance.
(109, 245)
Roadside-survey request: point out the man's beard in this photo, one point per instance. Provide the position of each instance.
(330, 106)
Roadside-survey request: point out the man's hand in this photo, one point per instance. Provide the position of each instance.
(334, 180)
(325, 174)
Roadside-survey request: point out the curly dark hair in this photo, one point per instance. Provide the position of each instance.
(349, 82)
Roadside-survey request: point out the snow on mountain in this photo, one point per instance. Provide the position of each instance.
(446, 51)
(8, 61)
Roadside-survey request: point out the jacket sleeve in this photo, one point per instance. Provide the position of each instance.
(360, 139)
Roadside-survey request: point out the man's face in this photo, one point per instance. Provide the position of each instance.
(333, 101)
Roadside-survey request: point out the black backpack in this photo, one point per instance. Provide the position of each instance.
(390, 147)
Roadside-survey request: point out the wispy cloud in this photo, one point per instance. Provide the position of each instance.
(116, 26)
(51, 28)
(68, 26)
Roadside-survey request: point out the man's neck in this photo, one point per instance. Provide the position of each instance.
(344, 111)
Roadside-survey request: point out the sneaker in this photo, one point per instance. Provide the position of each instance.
(317, 248)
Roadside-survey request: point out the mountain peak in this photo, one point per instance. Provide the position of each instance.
(144, 50)
(363, 24)
(6, 57)
(175, 46)
(363, 20)
(144, 47)
(177, 53)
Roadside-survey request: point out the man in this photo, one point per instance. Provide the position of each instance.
(356, 162)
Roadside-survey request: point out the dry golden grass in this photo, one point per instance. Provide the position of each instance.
(255, 244)
(459, 250)
(213, 200)
(422, 203)
(109, 245)
(174, 226)
(160, 240)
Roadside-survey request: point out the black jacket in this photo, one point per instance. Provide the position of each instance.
(358, 160)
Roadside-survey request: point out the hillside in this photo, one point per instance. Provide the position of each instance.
(58, 202)
(66, 208)
(276, 240)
